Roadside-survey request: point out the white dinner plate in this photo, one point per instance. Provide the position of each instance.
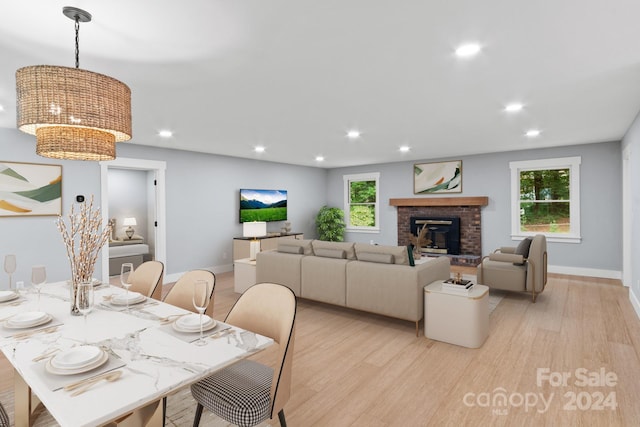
(28, 319)
(57, 371)
(190, 326)
(77, 357)
(8, 296)
(133, 297)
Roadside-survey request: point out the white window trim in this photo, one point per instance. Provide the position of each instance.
(372, 176)
(573, 163)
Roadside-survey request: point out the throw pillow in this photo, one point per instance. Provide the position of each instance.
(290, 249)
(376, 257)
(523, 249)
(412, 262)
(330, 253)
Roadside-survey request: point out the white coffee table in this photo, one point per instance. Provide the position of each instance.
(455, 318)
(244, 274)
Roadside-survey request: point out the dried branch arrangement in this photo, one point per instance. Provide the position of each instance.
(420, 240)
(83, 239)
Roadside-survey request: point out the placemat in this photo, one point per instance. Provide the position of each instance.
(56, 382)
(10, 332)
(193, 336)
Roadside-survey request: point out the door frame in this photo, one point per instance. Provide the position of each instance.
(158, 168)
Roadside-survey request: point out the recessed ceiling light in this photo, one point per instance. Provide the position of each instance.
(259, 149)
(532, 133)
(513, 107)
(319, 159)
(405, 149)
(468, 50)
(165, 133)
(1, 108)
(353, 134)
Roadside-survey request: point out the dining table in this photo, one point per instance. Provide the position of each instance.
(129, 357)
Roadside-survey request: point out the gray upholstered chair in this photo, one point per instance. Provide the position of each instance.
(519, 269)
(247, 392)
(147, 279)
(181, 293)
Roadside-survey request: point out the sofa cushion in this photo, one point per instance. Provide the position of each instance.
(346, 246)
(331, 253)
(399, 252)
(376, 257)
(290, 249)
(304, 244)
(523, 248)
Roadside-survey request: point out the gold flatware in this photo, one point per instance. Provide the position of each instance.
(172, 318)
(23, 335)
(85, 385)
(46, 355)
(221, 333)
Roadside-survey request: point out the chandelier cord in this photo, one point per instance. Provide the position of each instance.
(77, 41)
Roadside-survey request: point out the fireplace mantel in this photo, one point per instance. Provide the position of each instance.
(441, 201)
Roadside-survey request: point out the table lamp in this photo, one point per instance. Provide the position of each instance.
(254, 230)
(128, 222)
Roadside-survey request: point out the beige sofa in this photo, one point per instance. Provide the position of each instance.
(372, 278)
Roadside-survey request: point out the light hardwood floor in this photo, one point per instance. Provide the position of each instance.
(356, 369)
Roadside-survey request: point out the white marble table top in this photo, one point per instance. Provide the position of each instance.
(156, 363)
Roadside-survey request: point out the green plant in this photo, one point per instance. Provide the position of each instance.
(330, 224)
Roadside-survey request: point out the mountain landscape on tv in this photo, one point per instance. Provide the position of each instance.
(263, 205)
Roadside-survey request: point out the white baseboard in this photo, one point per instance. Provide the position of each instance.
(580, 271)
(635, 301)
(173, 277)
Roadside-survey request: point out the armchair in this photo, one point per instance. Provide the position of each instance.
(518, 269)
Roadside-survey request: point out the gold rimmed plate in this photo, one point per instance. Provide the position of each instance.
(28, 319)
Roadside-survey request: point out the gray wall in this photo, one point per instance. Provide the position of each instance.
(489, 175)
(631, 142)
(202, 204)
(128, 198)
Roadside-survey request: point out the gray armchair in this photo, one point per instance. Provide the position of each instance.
(519, 269)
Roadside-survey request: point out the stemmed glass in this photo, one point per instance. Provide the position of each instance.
(38, 278)
(84, 302)
(200, 301)
(10, 267)
(125, 275)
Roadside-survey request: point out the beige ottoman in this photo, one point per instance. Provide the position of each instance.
(455, 318)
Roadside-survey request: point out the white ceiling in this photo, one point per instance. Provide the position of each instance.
(294, 76)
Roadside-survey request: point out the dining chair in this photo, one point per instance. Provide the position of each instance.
(146, 278)
(4, 418)
(181, 293)
(247, 392)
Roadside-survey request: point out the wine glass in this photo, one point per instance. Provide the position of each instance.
(38, 278)
(10, 267)
(84, 302)
(125, 278)
(200, 301)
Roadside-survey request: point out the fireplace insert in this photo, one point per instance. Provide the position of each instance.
(444, 233)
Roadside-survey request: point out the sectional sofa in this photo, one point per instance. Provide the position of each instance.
(372, 278)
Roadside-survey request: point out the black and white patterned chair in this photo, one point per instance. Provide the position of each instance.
(247, 392)
(4, 418)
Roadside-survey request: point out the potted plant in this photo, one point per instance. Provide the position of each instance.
(330, 224)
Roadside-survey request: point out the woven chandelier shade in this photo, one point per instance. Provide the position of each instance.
(74, 113)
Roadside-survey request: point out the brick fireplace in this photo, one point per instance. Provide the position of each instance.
(468, 209)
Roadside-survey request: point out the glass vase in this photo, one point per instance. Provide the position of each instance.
(74, 287)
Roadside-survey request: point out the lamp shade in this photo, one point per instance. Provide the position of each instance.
(254, 229)
(129, 221)
(74, 113)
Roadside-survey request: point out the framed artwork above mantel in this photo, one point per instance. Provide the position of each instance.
(30, 189)
(437, 177)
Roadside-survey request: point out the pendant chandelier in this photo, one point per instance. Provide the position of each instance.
(75, 114)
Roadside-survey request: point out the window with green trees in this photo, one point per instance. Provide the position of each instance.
(361, 201)
(546, 197)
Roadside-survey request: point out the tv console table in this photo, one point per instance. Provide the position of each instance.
(241, 244)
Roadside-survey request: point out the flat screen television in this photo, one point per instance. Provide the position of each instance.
(263, 205)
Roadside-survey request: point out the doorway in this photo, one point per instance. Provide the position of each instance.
(156, 209)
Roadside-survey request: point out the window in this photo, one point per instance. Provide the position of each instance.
(545, 199)
(361, 202)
